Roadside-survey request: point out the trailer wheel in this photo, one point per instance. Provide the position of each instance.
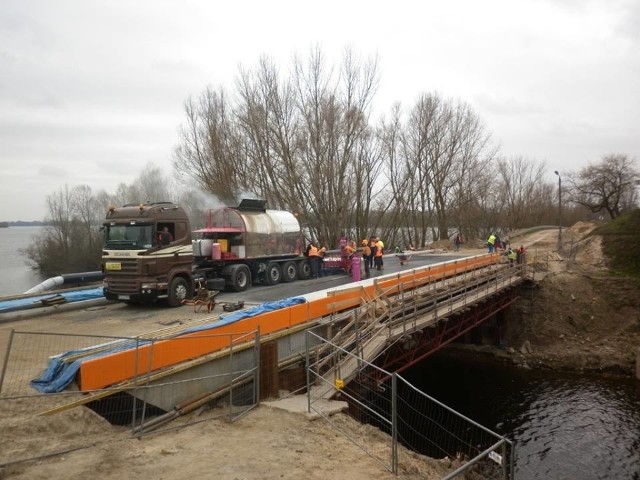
(240, 278)
(289, 272)
(272, 274)
(304, 270)
(177, 292)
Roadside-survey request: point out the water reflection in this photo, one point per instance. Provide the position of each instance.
(565, 426)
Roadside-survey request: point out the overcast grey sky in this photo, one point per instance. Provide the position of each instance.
(92, 91)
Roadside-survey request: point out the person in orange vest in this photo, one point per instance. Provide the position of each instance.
(350, 248)
(378, 255)
(312, 253)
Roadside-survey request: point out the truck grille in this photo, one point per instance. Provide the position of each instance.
(127, 267)
(126, 280)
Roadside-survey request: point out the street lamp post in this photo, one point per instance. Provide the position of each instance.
(559, 212)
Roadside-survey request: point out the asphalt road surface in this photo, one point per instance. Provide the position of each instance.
(261, 294)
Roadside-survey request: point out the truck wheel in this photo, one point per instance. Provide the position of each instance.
(240, 278)
(177, 292)
(272, 274)
(289, 272)
(304, 270)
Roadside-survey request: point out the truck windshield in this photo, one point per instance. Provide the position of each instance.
(128, 237)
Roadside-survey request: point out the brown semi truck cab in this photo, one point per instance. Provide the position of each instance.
(147, 253)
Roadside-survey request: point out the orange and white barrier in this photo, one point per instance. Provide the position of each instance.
(119, 366)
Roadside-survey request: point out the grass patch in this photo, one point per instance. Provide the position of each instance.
(621, 243)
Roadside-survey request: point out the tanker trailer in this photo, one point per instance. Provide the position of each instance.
(249, 244)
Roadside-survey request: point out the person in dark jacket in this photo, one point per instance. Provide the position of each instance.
(165, 237)
(366, 257)
(372, 245)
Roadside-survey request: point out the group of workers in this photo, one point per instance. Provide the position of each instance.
(372, 251)
(494, 244)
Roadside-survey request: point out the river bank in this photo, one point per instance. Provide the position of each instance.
(578, 316)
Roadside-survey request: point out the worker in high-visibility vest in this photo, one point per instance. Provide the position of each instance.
(377, 260)
(491, 242)
(312, 253)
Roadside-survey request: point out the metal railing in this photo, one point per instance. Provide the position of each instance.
(413, 420)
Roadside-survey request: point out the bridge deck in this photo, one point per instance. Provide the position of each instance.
(119, 370)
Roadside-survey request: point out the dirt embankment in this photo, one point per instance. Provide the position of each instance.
(577, 316)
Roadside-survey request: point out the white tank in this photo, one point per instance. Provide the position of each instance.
(251, 233)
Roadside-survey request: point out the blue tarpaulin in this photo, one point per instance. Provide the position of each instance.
(34, 301)
(249, 312)
(60, 372)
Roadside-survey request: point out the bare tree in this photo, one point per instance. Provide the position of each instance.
(459, 140)
(334, 114)
(209, 151)
(299, 142)
(442, 142)
(368, 176)
(151, 185)
(60, 209)
(474, 206)
(306, 140)
(520, 189)
(87, 214)
(71, 242)
(268, 122)
(608, 185)
(409, 167)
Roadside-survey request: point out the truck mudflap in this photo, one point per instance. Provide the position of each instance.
(215, 284)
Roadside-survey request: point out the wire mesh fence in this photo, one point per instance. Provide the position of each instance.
(410, 417)
(41, 376)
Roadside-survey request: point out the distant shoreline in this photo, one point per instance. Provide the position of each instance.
(21, 223)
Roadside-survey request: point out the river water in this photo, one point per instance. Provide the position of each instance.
(15, 275)
(565, 427)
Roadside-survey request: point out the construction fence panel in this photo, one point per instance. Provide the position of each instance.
(367, 403)
(427, 426)
(394, 413)
(222, 384)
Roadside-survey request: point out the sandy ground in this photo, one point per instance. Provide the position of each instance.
(578, 318)
(266, 443)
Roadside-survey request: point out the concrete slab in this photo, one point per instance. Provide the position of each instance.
(299, 404)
